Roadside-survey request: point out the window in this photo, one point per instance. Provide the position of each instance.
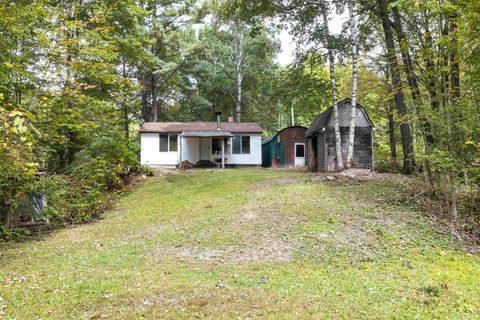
(299, 150)
(241, 145)
(173, 143)
(246, 145)
(168, 142)
(163, 142)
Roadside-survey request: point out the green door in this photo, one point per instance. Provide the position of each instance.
(282, 153)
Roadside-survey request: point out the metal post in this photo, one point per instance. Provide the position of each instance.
(293, 118)
(179, 141)
(373, 160)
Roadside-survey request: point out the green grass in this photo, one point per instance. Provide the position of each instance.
(246, 243)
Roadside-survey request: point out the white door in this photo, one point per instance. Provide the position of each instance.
(205, 149)
(299, 154)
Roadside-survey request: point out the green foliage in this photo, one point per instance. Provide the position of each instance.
(65, 119)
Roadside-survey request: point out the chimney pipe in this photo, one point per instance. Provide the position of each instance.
(218, 120)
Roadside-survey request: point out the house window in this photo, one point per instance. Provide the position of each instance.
(163, 142)
(168, 142)
(173, 143)
(241, 145)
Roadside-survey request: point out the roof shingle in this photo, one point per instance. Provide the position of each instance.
(233, 127)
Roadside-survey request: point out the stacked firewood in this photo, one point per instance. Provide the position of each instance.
(185, 165)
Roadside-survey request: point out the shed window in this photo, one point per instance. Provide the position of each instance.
(168, 142)
(241, 145)
(299, 150)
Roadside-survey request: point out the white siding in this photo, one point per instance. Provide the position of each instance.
(253, 158)
(190, 149)
(150, 152)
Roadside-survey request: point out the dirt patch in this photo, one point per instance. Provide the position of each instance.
(277, 182)
(271, 250)
(261, 227)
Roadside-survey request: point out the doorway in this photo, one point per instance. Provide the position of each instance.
(299, 154)
(205, 149)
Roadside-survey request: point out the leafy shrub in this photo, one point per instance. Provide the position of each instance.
(147, 171)
(82, 192)
(8, 234)
(387, 166)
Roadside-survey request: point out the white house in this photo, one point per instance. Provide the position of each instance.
(167, 144)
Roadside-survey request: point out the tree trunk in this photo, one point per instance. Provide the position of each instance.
(431, 78)
(414, 89)
(146, 113)
(454, 62)
(406, 59)
(126, 122)
(338, 140)
(239, 74)
(407, 145)
(391, 123)
(153, 89)
(8, 214)
(153, 78)
(353, 111)
(455, 88)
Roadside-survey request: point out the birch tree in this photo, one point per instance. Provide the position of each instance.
(353, 111)
(239, 57)
(331, 60)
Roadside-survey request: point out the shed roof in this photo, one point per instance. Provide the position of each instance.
(267, 140)
(233, 127)
(322, 119)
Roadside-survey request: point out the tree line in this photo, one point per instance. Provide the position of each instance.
(77, 78)
(423, 55)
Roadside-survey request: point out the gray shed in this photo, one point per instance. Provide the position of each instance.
(320, 138)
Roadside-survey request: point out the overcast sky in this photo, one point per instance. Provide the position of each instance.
(288, 46)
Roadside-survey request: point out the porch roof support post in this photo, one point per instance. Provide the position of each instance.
(180, 151)
(223, 153)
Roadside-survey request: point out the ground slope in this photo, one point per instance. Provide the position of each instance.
(247, 243)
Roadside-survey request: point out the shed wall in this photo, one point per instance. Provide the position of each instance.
(344, 117)
(362, 149)
(289, 137)
(322, 150)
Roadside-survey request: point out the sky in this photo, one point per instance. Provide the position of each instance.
(287, 52)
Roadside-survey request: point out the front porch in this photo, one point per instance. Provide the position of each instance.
(205, 148)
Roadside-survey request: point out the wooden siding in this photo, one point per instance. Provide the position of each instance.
(324, 157)
(289, 137)
(322, 150)
(362, 149)
(311, 154)
(282, 146)
(344, 110)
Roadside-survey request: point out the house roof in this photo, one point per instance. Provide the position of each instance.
(267, 140)
(322, 119)
(233, 127)
(207, 134)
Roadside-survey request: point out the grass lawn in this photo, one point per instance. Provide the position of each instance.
(243, 244)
